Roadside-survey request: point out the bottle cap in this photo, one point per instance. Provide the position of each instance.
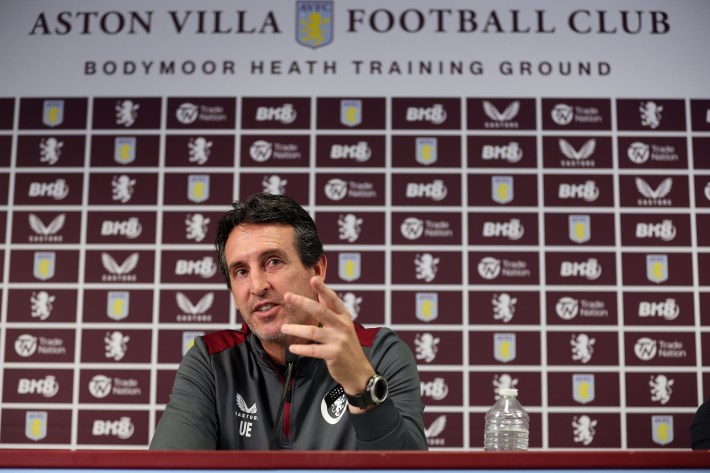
(508, 392)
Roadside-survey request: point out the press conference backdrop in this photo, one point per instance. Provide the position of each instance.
(520, 189)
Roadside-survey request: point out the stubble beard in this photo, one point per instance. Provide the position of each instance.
(266, 333)
(269, 334)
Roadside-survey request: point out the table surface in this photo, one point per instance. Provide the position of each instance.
(115, 459)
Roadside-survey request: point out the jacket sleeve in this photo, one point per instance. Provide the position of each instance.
(700, 428)
(190, 420)
(397, 423)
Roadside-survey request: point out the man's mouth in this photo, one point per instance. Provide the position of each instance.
(265, 309)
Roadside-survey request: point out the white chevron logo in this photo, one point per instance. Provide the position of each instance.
(128, 265)
(663, 189)
(584, 152)
(54, 226)
(510, 112)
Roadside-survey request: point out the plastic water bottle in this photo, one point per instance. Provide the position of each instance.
(507, 424)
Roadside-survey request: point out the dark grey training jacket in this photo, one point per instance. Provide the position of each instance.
(227, 391)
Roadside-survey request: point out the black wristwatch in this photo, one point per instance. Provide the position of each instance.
(375, 393)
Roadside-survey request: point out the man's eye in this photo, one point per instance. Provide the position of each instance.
(239, 272)
(273, 262)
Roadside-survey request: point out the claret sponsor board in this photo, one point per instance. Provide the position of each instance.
(536, 220)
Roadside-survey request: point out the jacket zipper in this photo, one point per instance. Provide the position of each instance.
(287, 411)
(287, 404)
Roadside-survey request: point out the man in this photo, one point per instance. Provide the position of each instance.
(352, 388)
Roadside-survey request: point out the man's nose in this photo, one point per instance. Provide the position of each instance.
(259, 282)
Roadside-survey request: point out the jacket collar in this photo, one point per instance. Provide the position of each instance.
(305, 364)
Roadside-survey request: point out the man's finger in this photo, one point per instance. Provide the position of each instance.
(328, 296)
(312, 351)
(309, 332)
(316, 309)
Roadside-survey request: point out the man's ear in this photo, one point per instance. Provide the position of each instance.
(321, 266)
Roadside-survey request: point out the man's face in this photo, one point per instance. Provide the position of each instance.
(263, 265)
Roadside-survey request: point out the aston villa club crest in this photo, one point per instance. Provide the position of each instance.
(198, 187)
(657, 268)
(117, 304)
(124, 149)
(36, 425)
(349, 266)
(504, 347)
(662, 428)
(351, 112)
(426, 150)
(580, 228)
(333, 405)
(502, 189)
(427, 306)
(583, 388)
(314, 23)
(44, 265)
(53, 112)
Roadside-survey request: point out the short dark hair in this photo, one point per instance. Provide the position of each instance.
(270, 208)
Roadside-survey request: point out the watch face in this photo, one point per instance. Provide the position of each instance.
(379, 390)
